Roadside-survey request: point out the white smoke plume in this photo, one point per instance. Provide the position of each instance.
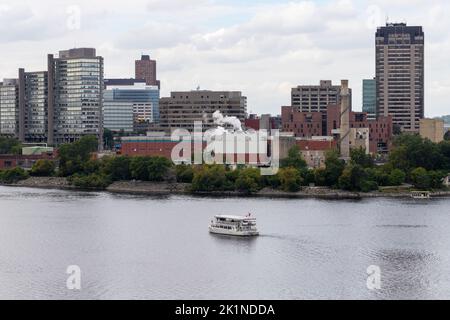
(220, 120)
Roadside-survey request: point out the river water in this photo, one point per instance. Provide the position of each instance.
(140, 247)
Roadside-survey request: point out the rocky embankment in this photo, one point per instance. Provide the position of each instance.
(163, 188)
(45, 182)
(150, 188)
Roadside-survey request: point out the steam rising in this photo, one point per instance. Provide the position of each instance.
(221, 121)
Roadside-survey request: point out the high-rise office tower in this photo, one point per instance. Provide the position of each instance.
(369, 105)
(400, 74)
(146, 69)
(33, 106)
(9, 108)
(75, 95)
(316, 98)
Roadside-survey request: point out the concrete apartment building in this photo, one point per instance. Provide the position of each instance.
(9, 108)
(183, 108)
(145, 69)
(316, 98)
(56, 106)
(75, 95)
(432, 129)
(33, 106)
(369, 103)
(400, 74)
(24, 107)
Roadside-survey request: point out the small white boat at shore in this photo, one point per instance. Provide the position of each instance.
(234, 226)
(421, 194)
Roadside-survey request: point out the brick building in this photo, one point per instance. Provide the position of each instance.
(145, 69)
(263, 122)
(314, 151)
(8, 161)
(312, 124)
(163, 146)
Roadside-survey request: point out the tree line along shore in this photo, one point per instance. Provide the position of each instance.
(414, 163)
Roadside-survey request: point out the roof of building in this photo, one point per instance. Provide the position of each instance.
(122, 82)
(316, 145)
(235, 218)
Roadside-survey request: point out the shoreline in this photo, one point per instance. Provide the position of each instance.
(167, 189)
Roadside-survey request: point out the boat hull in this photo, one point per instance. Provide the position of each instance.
(233, 233)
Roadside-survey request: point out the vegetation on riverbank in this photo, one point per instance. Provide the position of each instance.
(10, 146)
(13, 175)
(413, 160)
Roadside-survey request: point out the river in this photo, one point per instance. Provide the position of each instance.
(141, 247)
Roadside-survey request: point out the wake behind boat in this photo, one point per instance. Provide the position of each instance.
(234, 226)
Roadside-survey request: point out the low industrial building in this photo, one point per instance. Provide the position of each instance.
(159, 144)
(29, 156)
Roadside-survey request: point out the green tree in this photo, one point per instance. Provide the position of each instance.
(368, 185)
(13, 175)
(248, 181)
(294, 160)
(396, 130)
(290, 179)
(92, 166)
(412, 151)
(74, 155)
(420, 178)
(92, 181)
(436, 179)
(397, 177)
(232, 175)
(158, 168)
(10, 146)
(43, 168)
(272, 181)
(354, 178)
(398, 158)
(444, 149)
(377, 175)
(308, 176)
(320, 177)
(108, 139)
(139, 168)
(210, 178)
(360, 157)
(118, 168)
(334, 166)
(184, 173)
(447, 136)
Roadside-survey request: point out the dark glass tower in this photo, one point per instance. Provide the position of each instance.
(400, 74)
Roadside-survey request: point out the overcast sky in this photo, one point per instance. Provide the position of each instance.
(260, 47)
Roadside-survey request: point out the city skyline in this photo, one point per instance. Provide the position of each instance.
(262, 48)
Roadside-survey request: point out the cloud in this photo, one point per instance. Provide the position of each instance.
(175, 5)
(154, 35)
(20, 23)
(259, 47)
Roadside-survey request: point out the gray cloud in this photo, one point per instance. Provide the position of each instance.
(261, 49)
(20, 23)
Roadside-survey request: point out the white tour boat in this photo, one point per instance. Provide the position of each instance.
(420, 194)
(234, 226)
